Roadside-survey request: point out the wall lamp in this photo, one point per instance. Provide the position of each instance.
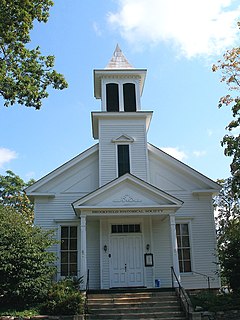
(105, 248)
(148, 247)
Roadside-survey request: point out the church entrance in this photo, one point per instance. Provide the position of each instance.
(126, 262)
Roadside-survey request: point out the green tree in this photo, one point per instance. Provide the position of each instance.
(228, 234)
(26, 267)
(230, 70)
(229, 254)
(12, 194)
(25, 74)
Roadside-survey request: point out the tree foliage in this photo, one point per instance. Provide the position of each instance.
(228, 234)
(230, 70)
(12, 194)
(26, 267)
(25, 74)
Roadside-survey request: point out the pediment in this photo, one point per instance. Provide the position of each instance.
(123, 138)
(127, 191)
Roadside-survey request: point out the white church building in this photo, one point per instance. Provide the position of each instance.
(124, 209)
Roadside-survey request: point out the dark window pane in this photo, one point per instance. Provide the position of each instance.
(129, 97)
(185, 241)
(73, 269)
(184, 229)
(119, 228)
(73, 232)
(178, 229)
(179, 242)
(73, 244)
(64, 270)
(64, 257)
(137, 228)
(180, 254)
(64, 244)
(73, 257)
(186, 254)
(112, 97)
(180, 266)
(131, 228)
(187, 266)
(123, 159)
(64, 232)
(125, 228)
(114, 228)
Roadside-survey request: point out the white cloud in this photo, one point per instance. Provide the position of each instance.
(97, 29)
(6, 155)
(194, 27)
(199, 153)
(175, 152)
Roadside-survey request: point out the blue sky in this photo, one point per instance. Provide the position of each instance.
(176, 41)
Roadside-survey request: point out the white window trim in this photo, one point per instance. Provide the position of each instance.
(116, 155)
(189, 223)
(67, 224)
(120, 82)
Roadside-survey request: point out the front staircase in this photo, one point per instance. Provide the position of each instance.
(134, 304)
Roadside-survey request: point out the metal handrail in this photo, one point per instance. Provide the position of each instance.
(86, 297)
(207, 276)
(184, 299)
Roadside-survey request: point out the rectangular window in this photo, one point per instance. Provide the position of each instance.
(126, 228)
(123, 159)
(112, 97)
(129, 97)
(184, 250)
(69, 252)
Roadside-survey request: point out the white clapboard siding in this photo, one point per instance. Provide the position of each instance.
(110, 130)
(81, 177)
(93, 253)
(162, 250)
(203, 239)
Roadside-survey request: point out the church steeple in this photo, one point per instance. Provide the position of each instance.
(118, 60)
(121, 127)
(119, 85)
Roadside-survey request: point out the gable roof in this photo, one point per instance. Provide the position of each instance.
(210, 185)
(32, 190)
(126, 192)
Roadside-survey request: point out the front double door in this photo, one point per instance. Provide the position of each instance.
(126, 261)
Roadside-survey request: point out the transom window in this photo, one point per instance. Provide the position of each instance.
(123, 159)
(126, 228)
(69, 251)
(184, 250)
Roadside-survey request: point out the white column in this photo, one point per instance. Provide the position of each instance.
(83, 255)
(174, 246)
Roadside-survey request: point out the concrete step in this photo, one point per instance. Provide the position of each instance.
(134, 305)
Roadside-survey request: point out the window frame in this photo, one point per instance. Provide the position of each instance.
(60, 250)
(120, 83)
(185, 247)
(117, 158)
(125, 92)
(117, 87)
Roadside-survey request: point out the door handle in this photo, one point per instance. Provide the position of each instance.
(125, 267)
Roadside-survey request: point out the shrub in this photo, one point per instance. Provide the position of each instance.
(210, 301)
(64, 298)
(26, 267)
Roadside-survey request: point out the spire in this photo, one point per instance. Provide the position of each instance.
(118, 60)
